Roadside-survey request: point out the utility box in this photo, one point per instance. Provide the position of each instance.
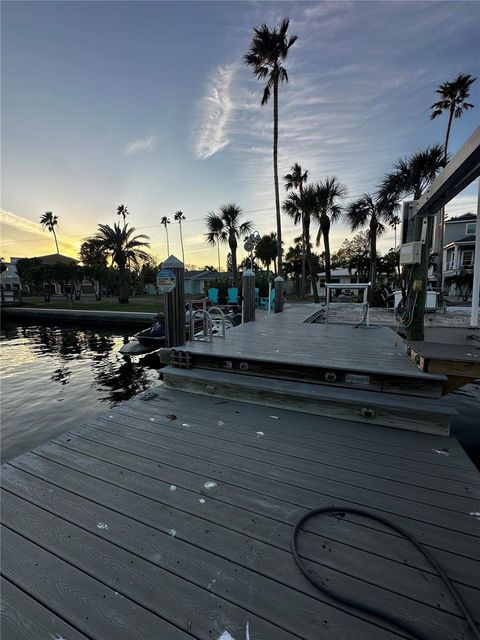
(411, 253)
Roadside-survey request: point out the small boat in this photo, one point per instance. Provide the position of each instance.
(151, 338)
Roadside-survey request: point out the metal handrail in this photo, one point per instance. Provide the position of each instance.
(207, 326)
(222, 318)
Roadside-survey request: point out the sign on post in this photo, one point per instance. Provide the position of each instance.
(166, 281)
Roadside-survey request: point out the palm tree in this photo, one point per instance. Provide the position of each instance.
(226, 227)
(165, 221)
(123, 247)
(305, 204)
(179, 217)
(411, 176)
(268, 50)
(123, 211)
(374, 213)
(215, 229)
(49, 221)
(394, 223)
(295, 180)
(329, 194)
(266, 250)
(453, 96)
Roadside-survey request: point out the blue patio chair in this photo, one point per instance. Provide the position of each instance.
(263, 302)
(232, 295)
(213, 295)
(257, 291)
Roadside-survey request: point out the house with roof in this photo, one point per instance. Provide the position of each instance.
(10, 281)
(459, 247)
(197, 281)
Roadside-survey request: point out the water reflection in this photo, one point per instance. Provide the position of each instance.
(57, 377)
(120, 378)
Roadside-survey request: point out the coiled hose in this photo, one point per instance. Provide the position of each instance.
(364, 608)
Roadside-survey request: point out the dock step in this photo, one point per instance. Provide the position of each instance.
(410, 383)
(391, 410)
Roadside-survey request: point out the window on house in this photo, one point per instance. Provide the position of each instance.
(467, 258)
(471, 228)
(450, 254)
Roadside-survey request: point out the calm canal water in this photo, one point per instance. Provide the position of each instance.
(53, 378)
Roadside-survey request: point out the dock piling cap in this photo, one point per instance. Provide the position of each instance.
(172, 263)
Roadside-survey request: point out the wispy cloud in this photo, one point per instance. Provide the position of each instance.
(213, 114)
(19, 223)
(142, 144)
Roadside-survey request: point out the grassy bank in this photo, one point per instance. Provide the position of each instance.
(146, 304)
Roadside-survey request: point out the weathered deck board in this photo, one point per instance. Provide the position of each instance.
(24, 618)
(141, 469)
(287, 339)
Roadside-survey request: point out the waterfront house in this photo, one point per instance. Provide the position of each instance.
(458, 249)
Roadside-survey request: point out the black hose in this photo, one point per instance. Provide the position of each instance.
(364, 608)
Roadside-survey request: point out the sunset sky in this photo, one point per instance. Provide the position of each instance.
(148, 104)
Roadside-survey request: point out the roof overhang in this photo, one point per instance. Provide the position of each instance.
(461, 171)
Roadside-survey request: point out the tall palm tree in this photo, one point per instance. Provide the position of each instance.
(373, 213)
(49, 221)
(268, 50)
(329, 195)
(123, 247)
(165, 221)
(295, 180)
(179, 217)
(123, 211)
(453, 97)
(225, 227)
(394, 223)
(295, 206)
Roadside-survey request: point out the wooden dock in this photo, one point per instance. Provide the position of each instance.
(359, 373)
(170, 517)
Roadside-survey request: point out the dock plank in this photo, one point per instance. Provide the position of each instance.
(277, 531)
(85, 603)
(286, 339)
(426, 515)
(196, 610)
(269, 561)
(311, 460)
(111, 527)
(23, 618)
(231, 580)
(138, 416)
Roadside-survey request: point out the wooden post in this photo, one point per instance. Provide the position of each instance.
(278, 294)
(418, 291)
(248, 285)
(175, 305)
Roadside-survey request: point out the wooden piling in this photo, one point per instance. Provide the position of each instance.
(248, 284)
(278, 294)
(175, 305)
